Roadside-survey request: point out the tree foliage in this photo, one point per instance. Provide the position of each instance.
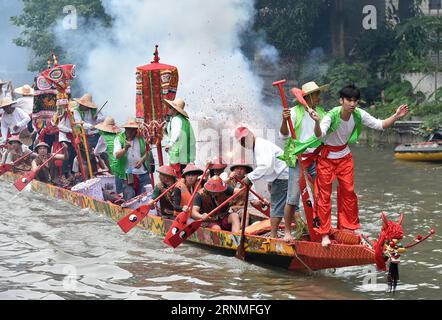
(39, 18)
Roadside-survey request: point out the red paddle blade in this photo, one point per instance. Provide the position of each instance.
(21, 183)
(299, 94)
(179, 223)
(4, 168)
(132, 219)
(180, 235)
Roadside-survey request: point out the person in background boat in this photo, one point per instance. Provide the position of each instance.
(49, 173)
(5, 92)
(304, 127)
(270, 168)
(133, 160)
(14, 120)
(239, 170)
(214, 193)
(168, 177)
(185, 187)
(104, 149)
(16, 150)
(340, 127)
(180, 136)
(86, 112)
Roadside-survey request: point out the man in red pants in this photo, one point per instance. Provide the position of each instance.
(340, 127)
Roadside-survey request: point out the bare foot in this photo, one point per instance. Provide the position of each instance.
(288, 237)
(325, 241)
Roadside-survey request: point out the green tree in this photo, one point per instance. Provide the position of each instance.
(39, 18)
(288, 24)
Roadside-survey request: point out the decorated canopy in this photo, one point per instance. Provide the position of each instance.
(155, 82)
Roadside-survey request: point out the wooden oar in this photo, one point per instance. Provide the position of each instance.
(21, 183)
(8, 166)
(241, 251)
(132, 219)
(86, 147)
(180, 221)
(178, 236)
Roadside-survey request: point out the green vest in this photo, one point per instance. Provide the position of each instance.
(93, 112)
(183, 151)
(289, 155)
(335, 115)
(109, 139)
(120, 164)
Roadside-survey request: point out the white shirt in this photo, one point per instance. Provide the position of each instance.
(64, 127)
(88, 120)
(26, 103)
(307, 129)
(174, 128)
(17, 118)
(268, 166)
(343, 133)
(101, 146)
(133, 155)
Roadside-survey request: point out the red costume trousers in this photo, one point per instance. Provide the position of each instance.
(327, 171)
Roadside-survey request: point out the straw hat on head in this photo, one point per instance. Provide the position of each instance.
(215, 185)
(178, 104)
(241, 163)
(108, 125)
(131, 124)
(86, 101)
(26, 90)
(167, 171)
(192, 168)
(7, 102)
(311, 87)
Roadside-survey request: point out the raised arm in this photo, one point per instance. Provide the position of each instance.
(401, 112)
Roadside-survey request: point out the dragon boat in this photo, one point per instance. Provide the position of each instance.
(420, 151)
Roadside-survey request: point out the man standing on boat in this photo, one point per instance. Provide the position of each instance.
(270, 168)
(86, 113)
(180, 136)
(304, 127)
(14, 120)
(341, 126)
(133, 160)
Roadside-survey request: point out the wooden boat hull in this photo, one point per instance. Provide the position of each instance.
(294, 256)
(419, 156)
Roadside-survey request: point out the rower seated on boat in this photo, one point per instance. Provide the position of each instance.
(16, 149)
(168, 177)
(185, 187)
(239, 170)
(215, 192)
(49, 173)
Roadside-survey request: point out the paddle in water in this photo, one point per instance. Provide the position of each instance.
(21, 183)
(132, 219)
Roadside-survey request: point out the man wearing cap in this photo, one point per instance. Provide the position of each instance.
(185, 187)
(133, 160)
(304, 127)
(214, 193)
(180, 137)
(167, 178)
(86, 112)
(49, 173)
(270, 168)
(14, 120)
(239, 170)
(16, 150)
(26, 102)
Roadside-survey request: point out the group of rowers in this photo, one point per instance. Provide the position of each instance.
(322, 147)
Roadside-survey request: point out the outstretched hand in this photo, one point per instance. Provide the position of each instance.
(402, 111)
(314, 115)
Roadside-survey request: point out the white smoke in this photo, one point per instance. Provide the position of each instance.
(201, 38)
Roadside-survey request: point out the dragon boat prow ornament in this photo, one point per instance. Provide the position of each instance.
(388, 248)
